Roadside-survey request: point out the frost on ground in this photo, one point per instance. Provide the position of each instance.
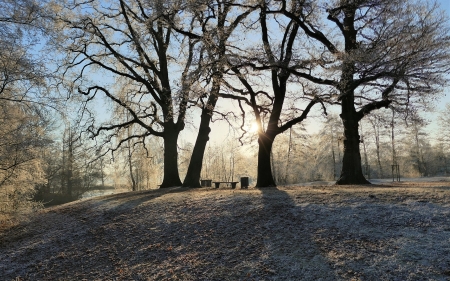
(378, 232)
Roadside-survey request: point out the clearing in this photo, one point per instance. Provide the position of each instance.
(387, 231)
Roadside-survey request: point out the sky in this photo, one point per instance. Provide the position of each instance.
(432, 128)
(445, 4)
(221, 131)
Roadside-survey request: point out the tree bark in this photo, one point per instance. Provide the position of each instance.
(130, 165)
(265, 177)
(366, 161)
(351, 172)
(376, 131)
(394, 156)
(286, 175)
(192, 178)
(380, 168)
(171, 175)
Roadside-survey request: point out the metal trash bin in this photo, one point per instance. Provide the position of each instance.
(244, 182)
(206, 183)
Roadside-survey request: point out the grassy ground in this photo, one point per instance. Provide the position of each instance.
(377, 232)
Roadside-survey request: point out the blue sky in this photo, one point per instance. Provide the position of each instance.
(221, 130)
(445, 4)
(440, 104)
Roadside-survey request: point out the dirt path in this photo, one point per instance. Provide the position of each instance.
(378, 232)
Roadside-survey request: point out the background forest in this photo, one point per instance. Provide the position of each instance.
(136, 94)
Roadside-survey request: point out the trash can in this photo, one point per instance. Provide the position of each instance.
(244, 182)
(205, 183)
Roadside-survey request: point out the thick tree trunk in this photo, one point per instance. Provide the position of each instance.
(171, 175)
(192, 178)
(264, 177)
(351, 172)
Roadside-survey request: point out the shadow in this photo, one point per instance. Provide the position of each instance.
(443, 188)
(234, 239)
(263, 234)
(291, 239)
(132, 199)
(132, 202)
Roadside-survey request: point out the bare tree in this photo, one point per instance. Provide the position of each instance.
(217, 22)
(22, 73)
(382, 53)
(417, 137)
(23, 134)
(24, 121)
(276, 58)
(133, 43)
(378, 124)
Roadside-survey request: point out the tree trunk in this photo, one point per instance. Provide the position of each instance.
(265, 177)
(334, 162)
(272, 164)
(380, 169)
(351, 172)
(130, 166)
(171, 175)
(102, 172)
(70, 160)
(394, 156)
(133, 181)
(193, 174)
(376, 130)
(286, 175)
(192, 178)
(366, 161)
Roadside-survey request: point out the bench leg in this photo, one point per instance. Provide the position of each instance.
(217, 184)
(233, 185)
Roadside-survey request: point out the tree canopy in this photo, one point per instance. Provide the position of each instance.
(135, 79)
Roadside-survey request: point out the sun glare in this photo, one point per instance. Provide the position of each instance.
(253, 128)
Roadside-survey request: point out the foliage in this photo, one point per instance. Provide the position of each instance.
(24, 117)
(23, 135)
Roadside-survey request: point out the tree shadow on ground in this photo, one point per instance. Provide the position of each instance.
(130, 200)
(292, 245)
(265, 234)
(235, 236)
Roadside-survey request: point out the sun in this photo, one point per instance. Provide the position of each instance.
(254, 127)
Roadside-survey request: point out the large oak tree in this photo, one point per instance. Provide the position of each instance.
(217, 22)
(133, 44)
(372, 54)
(283, 101)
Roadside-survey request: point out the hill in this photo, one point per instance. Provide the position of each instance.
(378, 232)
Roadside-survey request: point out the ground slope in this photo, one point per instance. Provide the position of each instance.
(378, 232)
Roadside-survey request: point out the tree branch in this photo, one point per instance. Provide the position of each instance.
(300, 118)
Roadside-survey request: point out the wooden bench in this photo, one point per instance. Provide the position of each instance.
(233, 183)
